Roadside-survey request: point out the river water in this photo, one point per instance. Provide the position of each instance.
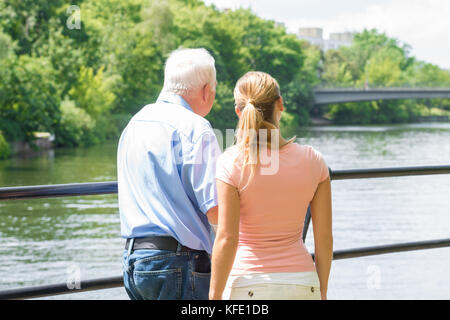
(47, 241)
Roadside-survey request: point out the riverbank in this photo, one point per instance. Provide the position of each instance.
(320, 121)
(434, 119)
(44, 141)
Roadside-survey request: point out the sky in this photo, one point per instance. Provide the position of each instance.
(422, 24)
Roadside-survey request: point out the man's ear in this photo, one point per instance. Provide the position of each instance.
(206, 92)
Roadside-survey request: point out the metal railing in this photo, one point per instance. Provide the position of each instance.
(82, 189)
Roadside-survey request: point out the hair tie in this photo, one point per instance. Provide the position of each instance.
(251, 102)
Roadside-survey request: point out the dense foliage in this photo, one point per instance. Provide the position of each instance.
(82, 70)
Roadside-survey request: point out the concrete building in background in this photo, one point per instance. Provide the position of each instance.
(312, 35)
(315, 37)
(337, 40)
(280, 24)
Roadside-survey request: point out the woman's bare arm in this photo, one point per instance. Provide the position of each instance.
(226, 242)
(323, 235)
(212, 215)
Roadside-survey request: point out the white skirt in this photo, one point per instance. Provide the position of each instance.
(273, 286)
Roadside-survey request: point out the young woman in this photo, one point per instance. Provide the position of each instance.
(258, 252)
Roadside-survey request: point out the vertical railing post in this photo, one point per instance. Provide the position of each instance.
(306, 223)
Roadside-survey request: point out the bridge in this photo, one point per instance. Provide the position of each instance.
(332, 96)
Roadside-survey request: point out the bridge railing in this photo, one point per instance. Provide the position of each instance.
(415, 86)
(81, 189)
(333, 95)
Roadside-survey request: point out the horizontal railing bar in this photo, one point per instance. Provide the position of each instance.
(61, 288)
(58, 190)
(390, 248)
(388, 172)
(114, 282)
(96, 188)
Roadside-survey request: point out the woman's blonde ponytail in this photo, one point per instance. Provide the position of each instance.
(255, 95)
(247, 136)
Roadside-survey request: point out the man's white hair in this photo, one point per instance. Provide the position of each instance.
(189, 69)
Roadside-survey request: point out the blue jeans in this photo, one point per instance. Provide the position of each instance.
(166, 275)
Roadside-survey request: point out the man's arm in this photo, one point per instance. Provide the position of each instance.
(200, 171)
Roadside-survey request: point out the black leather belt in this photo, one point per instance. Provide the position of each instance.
(156, 243)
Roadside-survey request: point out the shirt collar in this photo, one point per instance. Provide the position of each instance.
(174, 98)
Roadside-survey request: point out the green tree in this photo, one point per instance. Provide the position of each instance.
(129, 51)
(26, 21)
(337, 71)
(383, 69)
(297, 95)
(29, 96)
(76, 126)
(6, 46)
(91, 92)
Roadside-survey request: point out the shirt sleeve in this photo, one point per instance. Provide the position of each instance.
(224, 169)
(323, 171)
(199, 171)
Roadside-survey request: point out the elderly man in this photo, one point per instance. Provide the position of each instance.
(166, 182)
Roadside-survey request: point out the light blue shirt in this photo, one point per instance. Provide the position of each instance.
(166, 163)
